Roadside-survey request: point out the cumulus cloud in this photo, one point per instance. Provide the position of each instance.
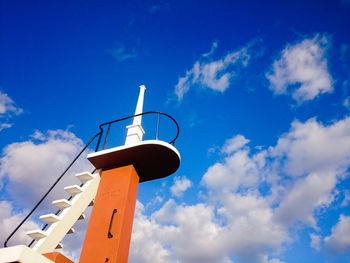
(313, 147)
(243, 215)
(239, 170)
(239, 222)
(339, 240)
(8, 108)
(234, 144)
(306, 194)
(213, 74)
(302, 70)
(29, 168)
(171, 231)
(181, 184)
(251, 230)
(8, 220)
(316, 241)
(168, 233)
(317, 156)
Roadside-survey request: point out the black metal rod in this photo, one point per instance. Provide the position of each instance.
(85, 147)
(107, 134)
(157, 127)
(99, 140)
(50, 189)
(58, 211)
(110, 224)
(145, 113)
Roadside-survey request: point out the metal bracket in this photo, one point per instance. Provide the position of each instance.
(110, 224)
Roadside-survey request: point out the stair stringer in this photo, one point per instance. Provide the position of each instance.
(57, 231)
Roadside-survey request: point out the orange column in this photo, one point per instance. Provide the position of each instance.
(108, 239)
(57, 257)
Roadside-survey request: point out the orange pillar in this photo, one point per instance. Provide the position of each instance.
(108, 237)
(57, 257)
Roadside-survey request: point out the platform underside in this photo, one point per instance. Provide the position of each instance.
(152, 159)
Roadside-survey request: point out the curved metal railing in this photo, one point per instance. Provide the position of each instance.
(99, 136)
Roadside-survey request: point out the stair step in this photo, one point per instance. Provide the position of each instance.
(82, 216)
(50, 218)
(84, 177)
(92, 203)
(61, 203)
(71, 231)
(59, 246)
(37, 234)
(73, 189)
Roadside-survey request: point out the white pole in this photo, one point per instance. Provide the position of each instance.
(135, 130)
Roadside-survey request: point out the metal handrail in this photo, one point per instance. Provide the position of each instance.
(99, 135)
(129, 117)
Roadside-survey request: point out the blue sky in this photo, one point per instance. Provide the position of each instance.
(261, 90)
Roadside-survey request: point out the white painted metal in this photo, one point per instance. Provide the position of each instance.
(56, 232)
(37, 234)
(73, 189)
(84, 177)
(21, 254)
(135, 130)
(61, 203)
(49, 218)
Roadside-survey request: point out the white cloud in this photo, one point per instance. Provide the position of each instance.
(247, 232)
(147, 242)
(302, 70)
(319, 156)
(273, 260)
(312, 147)
(251, 230)
(346, 199)
(31, 167)
(190, 226)
(306, 194)
(7, 105)
(316, 241)
(5, 126)
(339, 240)
(237, 170)
(181, 184)
(212, 50)
(235, 221)
(8, 108)
(8, 220)
(239, 223)
(212, 74)
(234, 144)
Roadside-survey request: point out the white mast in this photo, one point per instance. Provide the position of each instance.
(135, 130)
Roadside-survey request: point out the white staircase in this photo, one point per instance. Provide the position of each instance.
(71, 211)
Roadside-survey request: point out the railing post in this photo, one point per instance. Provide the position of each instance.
(157, 127)
(107, 134)
(99, 141)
